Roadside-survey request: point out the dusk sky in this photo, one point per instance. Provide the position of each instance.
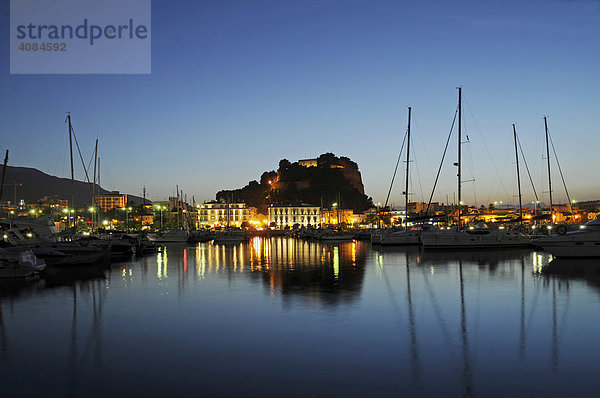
(238, 85)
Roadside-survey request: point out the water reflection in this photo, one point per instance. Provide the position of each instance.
(426, 324)
(587, 269)
(329, 274)
(84, 289)
(468, 268)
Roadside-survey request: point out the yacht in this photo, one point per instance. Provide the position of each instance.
(582, 243)
(19, 263)
(41, 226)
(54, 253)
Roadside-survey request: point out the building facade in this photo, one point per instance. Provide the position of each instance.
(112, 200)
(334, 217)
(219, 214)
(308, 162)
(288, 216)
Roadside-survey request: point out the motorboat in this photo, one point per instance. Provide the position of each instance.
(54, 253)
(20, 263)
(41, 226)
(582, 243)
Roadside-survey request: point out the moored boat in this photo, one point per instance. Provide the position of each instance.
(170, 236)
(582, 243)
(229, 236)
(20, 263)
(473, 239)
(337, 236)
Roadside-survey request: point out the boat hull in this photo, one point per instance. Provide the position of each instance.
(467, 241)
(401, 239)
(576, 244)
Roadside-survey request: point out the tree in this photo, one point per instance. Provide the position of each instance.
(284, 164)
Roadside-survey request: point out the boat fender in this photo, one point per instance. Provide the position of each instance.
(561, 230)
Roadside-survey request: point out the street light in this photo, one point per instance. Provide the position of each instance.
(92, 210)
(160, 208)
(127, 210)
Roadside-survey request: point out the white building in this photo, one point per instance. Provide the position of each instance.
(290, 215)
(213, 214)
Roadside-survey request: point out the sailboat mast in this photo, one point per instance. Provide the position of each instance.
(407, 169)
(94, 219)
(177, 204)
(549, 178)
(2, 183)
(459, 153)
(518, 174)
(72, 171)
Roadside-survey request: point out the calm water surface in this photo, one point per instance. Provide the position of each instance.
(280, 317)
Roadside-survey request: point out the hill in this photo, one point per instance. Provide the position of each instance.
(37, 184)
(326, 179)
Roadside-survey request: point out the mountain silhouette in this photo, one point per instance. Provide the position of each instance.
(36, 184)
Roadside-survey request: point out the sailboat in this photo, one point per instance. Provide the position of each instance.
(405, 237)
(479, 237)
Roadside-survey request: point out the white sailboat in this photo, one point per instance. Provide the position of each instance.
(406, 237)
(480, 237)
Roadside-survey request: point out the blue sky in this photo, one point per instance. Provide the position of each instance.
(238, 85)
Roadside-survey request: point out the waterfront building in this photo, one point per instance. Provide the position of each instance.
(288, 216)
(334, 217)
(221, 214)
(111, 200)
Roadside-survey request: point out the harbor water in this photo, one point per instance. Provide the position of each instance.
(285, 317)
